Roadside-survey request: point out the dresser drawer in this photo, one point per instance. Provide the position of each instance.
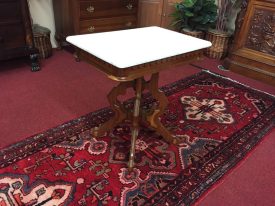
(15, 37)
(106, 8)
(10, 10)
(107, 24)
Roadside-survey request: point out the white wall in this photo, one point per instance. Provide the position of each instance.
(42, 13)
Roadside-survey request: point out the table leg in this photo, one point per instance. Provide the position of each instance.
(121, 114)
(117, 107)
(136, 118)
(153, 118)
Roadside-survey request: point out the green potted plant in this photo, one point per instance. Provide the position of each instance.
(220, 36)
(194, 17)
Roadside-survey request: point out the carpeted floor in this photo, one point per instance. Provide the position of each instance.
(68, 95)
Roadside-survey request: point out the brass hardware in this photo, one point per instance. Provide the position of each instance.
(129, 6)
(164, 14)
(129, 24)
(90, 9)
(91, 29)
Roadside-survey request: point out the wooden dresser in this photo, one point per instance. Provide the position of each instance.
(156, 13)
(253, 50)
(16, 38)
(89, 16)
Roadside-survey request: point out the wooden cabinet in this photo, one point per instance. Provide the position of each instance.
(156, 13)
(16, 38)
(90, 16)
(253, 51)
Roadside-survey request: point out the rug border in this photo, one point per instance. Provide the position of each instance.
(197, 193)
(237, 165)
(230, 79)
(235, 81)
(191, 198)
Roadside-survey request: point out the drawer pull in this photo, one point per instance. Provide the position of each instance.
(90, 9)
(91, 29)
(129, 6)
(129, 24)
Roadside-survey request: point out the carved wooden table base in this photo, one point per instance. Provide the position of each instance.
(136, 117)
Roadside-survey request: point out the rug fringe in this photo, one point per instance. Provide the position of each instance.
(232, 80)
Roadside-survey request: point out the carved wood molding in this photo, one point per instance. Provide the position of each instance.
(261, 33)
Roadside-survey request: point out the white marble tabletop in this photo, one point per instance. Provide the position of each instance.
(126, 48)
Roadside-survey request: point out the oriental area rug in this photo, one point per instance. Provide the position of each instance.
(217, 120)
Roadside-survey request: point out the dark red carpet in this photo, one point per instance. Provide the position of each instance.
(217, 120)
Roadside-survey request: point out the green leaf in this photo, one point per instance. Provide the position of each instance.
(189, 3)
(195, 14)
(188, 13)
(198, 19)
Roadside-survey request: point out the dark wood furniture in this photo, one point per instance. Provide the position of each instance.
(16, 38)
(87, 16)
(156, 13)
(253, 51)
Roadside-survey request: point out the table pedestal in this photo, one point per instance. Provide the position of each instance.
(135, 116)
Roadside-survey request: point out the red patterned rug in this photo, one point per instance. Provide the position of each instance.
(218, 121)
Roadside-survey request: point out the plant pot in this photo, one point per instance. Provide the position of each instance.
(220, 42)
(197, 34)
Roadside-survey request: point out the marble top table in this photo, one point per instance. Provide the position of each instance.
(127, 56)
